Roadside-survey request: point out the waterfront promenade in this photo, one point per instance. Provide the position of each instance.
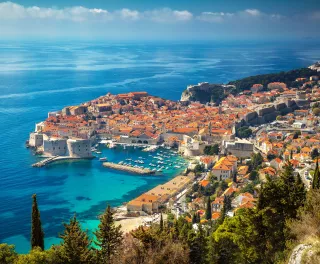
(115, 166)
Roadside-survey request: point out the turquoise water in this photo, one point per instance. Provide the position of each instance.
(38, 77)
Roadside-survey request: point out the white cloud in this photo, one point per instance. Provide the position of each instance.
(182, 15)
(128, 14)
(214, 16)
(167, 15)
(253, 12)
(9, 10)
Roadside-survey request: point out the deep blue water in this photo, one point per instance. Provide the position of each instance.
(39, 77)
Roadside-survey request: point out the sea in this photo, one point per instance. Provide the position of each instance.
(41, 76)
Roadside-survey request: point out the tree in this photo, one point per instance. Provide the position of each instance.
(316, 111)
(234, 177)
(314, 153)
(244, 132)
(109, 237)
(253, 175)
(197, 242)
(208, 209)
(316, 177)
(211, 150)
(296, 134)
(161, 223)
(37, 234)
(8, 254)
(256, 160)
(75, 247)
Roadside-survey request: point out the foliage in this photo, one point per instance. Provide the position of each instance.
(253, 175)
(37, 234)
(109, 237)
(264, 79)
(243, 132)
(211, 150)
(271, 156)
(314, 153)
(75, 247)
(255, 162)
(208, 209)
(296, 134)
(7, 254)
(316, 177)
(248, 188)
(316, 111)
(199, 168)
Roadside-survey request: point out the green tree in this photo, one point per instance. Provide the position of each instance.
(316, 111)
(75, 247)
(253, 175)
(8, 254)
(256, 160)
(208, 209)
(316, 177)
(161, 223)
(211, 150)
(244, 132)
(109, 237)
(314, 153)
(37, 234)
(197, 242)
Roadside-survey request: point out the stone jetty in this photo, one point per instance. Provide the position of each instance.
(115, 166)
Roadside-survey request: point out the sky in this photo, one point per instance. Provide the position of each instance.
(139, 20)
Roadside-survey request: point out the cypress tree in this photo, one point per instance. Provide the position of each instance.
(37, 234)
(208, 209)
(109, 237)
(194, 218)
(316, 178)
(161, 223)
(75, 248)
(198, 217)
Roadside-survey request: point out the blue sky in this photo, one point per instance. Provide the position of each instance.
(161, 20)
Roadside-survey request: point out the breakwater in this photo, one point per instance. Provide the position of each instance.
(126, 168)
(49, 160)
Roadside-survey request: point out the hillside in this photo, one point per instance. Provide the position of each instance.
(289, 78)
(215, 93)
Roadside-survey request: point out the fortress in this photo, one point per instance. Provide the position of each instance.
(51, 146)
(270, 112)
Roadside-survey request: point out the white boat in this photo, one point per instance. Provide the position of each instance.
(103, 159)
(98, 152)
(121, 162)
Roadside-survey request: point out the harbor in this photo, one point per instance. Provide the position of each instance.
(127, 168)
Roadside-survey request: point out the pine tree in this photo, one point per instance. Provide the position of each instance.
(161, 223)
(316, 177)
(37, 234)
(208, 209)
(109, 237)
(197, 242)
(75, 248)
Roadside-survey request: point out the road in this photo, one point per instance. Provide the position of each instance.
(303, 177)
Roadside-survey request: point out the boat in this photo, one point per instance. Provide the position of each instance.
(120, 162)
(98, 152)
(103, 159)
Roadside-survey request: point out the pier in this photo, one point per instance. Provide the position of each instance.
(44, 162)
(49, 160)
(127, 168)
